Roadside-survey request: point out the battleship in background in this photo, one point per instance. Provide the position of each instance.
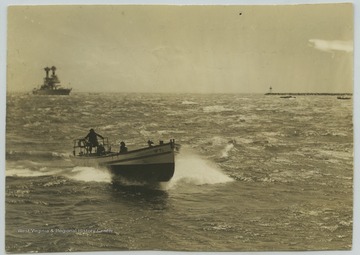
(51, 85)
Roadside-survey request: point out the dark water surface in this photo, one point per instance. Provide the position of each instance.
(254, 173)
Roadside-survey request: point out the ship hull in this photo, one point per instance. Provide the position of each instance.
(152, 164)
(64, 92)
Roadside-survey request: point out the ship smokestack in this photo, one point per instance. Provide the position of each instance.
(53, 68)
(47, 69)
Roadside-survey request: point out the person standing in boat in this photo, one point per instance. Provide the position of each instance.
(92, 137)
(123, 147)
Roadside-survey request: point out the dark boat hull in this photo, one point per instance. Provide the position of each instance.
(56, 92)
(152, 164)
(149, 173)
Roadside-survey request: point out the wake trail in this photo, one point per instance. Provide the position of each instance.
(89, 174)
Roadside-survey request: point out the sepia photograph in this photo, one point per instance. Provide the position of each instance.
(186, 128)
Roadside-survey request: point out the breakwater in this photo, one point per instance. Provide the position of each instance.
(308, 94)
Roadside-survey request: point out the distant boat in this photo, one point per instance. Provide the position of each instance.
(51, 85)
(343, 98)
(290, 97)
(155, 163)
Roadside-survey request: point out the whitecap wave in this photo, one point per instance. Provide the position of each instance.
(216, 108)
(216, 140)
(27, 172)
(34, 124)
(45, 155)
(225, 152)
(188, 103)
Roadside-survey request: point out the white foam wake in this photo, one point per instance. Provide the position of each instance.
(192, 169)
(89, 174)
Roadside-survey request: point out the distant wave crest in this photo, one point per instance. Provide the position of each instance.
(216, 108)
(30, 155)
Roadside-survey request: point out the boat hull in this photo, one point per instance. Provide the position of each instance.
(56, 92)
(149, 173)
(344, 98)
(152, 164)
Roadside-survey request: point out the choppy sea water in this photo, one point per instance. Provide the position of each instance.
(254, 173)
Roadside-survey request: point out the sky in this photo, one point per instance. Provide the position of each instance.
(183, 49)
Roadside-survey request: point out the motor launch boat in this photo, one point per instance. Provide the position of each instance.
(155, 163)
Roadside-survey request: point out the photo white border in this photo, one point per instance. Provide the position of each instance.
(356, 201)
